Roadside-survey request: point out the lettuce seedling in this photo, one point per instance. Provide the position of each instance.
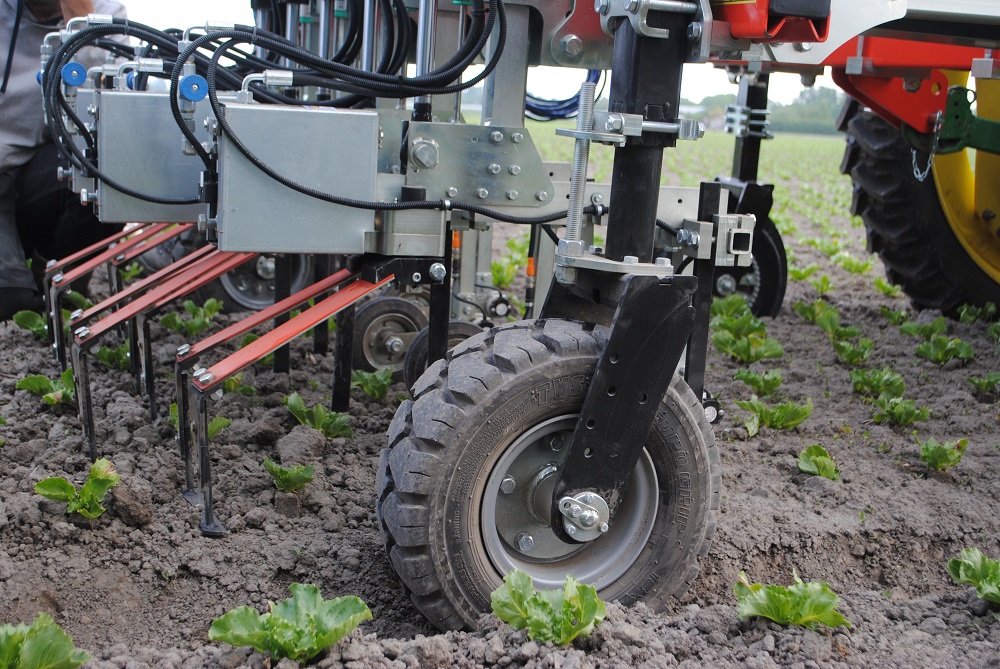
(810, 312)
(816, 461)
(78, 299)
(172, 417)
(783, 416)
(927, 331)
(198, 318)
(887, 289)
(761, 384)
(802, 604)
(898, 411)
(87, 500)
(994, 332)
(740, 326)
(289, 479)
(267, 360)
(876, 382)
(113, 358)
(940, 349)
(822, 284)
(802, 273)
(940, 457)
(330, 423)
(32, 322)
(731, 306)
(130, 271)
(549, 615)
(217, 425)
(968, 313)
(976, 569)
(897, 317)
(298, 628)
(853, 265)
(852, 354)
(504, 271)
(234, 384)
(60, 391)
(375, 384)
(986, 384)
(748, 349)
(42, 645)
(829, 321)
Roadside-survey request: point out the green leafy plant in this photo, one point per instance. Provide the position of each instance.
(113, 358)
(897, 317)
(60, 391)
(87, 500)
(375, 384)
(42, 645)
(130, 271)
(801, 604)
(941, 456)
(198, 319)
(3, 421)
(504, 271)
(740, 326)
(732, 306)
(940, 349)
(172, 418)
(78, 300)
(974, 568)
(761, 384)
(518, 248)
(250, 338)
(783, 416)
(927, 331)
(968, 313)
(802, 273)
(330, 423)
(217, 425)
(898, 411)
(33, 322)
(549, 615)
(876, 382)
(289, 479)
(816, 461)
(828, 320)
(985, 384)
(887, 289)
(994, 332)
(853, 354)
(811, 312)
(298, 628)
(747, 349)
(822, 284)
(234, 384)
(853, 265)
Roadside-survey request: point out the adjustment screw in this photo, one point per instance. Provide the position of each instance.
(507, 485)
(496, 136)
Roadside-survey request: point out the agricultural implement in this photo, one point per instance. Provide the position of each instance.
(578, 440)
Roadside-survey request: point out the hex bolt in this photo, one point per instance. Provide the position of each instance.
(438, 271)
(603, 527)
(514, 170)
(417, 277)
(206, 377)
(511, 194)
(517, 137)
(452, 191)
(183, 349)
(575, 511)
(198, 372)
(596, 250)
(571, 530)
(58, 277)
(394, 345)
(493, 168)
(571, 45)
(507, 485)
(556, 442)
(541, 196)
(597, 198)
(694, 31)
(802, 47)
(588, 518)
(602, 7)
(496, 136)
(76, 314)
(662, 262)
(631, 6)
(525, 541)
(630, 260)
(482, 193)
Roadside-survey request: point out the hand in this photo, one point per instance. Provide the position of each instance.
(74, 8)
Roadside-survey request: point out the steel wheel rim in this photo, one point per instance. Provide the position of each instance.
(251, 287)
(504, 516)
(377, 335)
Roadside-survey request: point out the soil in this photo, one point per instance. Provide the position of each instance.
(139, 586)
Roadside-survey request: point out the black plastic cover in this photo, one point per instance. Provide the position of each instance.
(810, 9)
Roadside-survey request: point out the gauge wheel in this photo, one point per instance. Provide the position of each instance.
(250, 287)
(763, 282)
(465, 487)
(939, 239)
(415, 361)
(384, 328)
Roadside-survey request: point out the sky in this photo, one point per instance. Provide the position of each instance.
(698, 82)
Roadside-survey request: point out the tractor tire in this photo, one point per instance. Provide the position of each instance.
(939, 260)
(504, 405)
(415, 361)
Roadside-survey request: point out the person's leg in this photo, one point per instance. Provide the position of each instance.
(17, 286)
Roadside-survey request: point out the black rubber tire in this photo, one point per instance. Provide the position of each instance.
(764, 282)
(376, 319)
(468, 410)
(415, 361)
(905, 222)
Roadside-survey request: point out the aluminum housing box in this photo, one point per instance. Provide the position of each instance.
(331, 151)
(140, 146)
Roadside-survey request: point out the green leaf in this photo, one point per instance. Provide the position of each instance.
(732, 305)
(877, 382)
(887, 289)
(47, 646)
(976, 569)
(740, 326)
(32, 322)
(895, 317)
(36, 384)
(11, 639)
(57, 488)
(298, 408)
(898, 411)
(113, 358)
(549, 615)
(241, 627)
(217, 425)
(928, 331)
(986, 384)
(782, 416)
(940, 349)
(941, 456)
(802, 604)
(289, 479)
(852, 354)
(816, 461)
(100, 480)
(374, 384)
(173, 417)
(762, 385)
(510, 600)
(803, 273)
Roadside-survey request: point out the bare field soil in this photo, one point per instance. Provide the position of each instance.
(140, 586)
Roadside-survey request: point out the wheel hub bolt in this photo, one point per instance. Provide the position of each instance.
(525, 541)
(571, 530)
(603, 527)
(556, 442)
(507, 485)
(575, 511)
(394, 345)
(588, 518)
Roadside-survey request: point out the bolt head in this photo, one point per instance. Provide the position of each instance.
(452, 192)
(597, 198)
(517, 137)
(525, 541)
(631, 260)
(694, 31)
(496, 136)
(493, 169)
(571, 45)
(438, 271)
(76, 314)
(514, 170)
(417, 276)
(394, 345)
(482, 193)
(556, 442)
(541, 196)
(571, 530)
(602, 7)
(575, 511)
(603, 527)
(511, 194)
(631, 6)
(508, 485)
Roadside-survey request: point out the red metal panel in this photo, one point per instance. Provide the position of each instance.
(752, 19)
(889, 99)
(896, 54)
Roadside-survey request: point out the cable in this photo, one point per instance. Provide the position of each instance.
(541, 109)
